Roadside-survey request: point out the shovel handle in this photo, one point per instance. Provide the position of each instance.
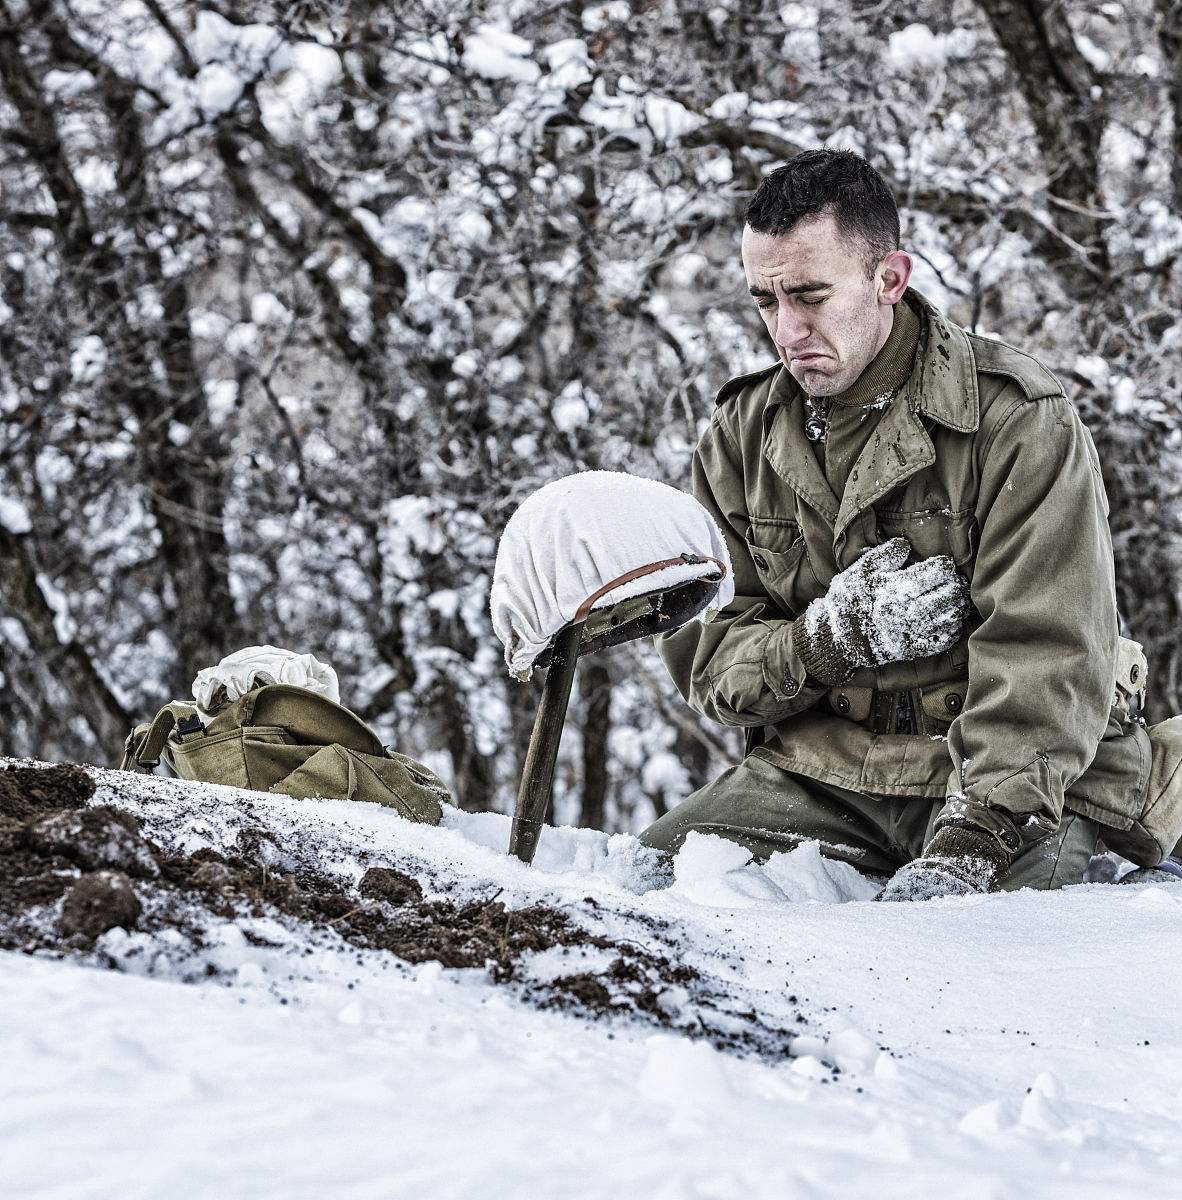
(537, 779)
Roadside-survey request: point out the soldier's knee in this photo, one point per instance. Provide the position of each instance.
(666, 834)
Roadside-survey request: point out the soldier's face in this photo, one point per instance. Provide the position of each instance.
(825, 314)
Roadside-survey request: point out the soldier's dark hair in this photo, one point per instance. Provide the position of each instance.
(829, 181)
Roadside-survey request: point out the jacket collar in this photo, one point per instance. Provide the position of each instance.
(944, 384)
(788, 449)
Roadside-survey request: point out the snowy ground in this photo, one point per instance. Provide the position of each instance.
(1019, 1045)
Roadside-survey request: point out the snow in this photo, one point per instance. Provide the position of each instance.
(912, 611)
(251, 47)
(221, 398)
(729, 106)
(571, 409)
(599, 16)
(14, 514)
(1096, 56)
(497, 54)
(669, 119)
(242, 339)
(917, 48)
(88, 359)
(802, 43)
(66, 85)
(1012, 1045)
(57, 600)
(218, 89)
(570, 64)
(628, 112)
(267, 309)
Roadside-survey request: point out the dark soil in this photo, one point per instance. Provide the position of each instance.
(69, 873)
(24, 792)
(98, 902)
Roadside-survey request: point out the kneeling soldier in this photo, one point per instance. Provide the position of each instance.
(924, 637)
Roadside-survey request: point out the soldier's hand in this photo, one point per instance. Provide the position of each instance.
(879, 610)
(959, 861)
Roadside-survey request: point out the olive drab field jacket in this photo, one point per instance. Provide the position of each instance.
(981, 457)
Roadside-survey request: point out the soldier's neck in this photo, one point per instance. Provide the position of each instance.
(891, 367)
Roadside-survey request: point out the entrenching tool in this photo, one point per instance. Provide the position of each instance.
(659, 611)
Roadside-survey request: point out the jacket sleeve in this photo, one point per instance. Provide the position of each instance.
(1042, 664)
(740, 668)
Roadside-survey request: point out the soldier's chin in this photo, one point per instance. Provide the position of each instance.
(818, 382)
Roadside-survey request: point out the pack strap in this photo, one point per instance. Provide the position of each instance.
(145, 743)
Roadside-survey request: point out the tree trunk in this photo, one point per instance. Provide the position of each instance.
(64, 659)
(1170, 37)
(183, 486)
(1057, 82)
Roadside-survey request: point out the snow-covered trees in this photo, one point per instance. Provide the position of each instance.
(297, 302)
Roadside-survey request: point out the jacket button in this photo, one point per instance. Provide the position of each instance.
(791, 686)
(953, 702)
(842, 704)
(759, 561)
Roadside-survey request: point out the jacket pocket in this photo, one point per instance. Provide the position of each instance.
(933, 531)
(777, 549)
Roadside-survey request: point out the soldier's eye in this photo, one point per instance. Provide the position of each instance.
(814, 303)
(765, 302)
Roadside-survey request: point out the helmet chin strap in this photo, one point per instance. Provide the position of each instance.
(638, 573)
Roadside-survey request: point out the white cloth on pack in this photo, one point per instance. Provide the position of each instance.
(577, 534)
(255, 666)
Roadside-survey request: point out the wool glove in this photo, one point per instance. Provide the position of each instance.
(960, 860)
(880, 611)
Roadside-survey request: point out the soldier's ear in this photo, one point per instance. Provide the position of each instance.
(894, 272)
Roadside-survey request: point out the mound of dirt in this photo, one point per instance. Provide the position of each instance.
(24, 791)
(70, 873)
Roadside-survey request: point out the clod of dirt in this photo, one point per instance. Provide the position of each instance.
(384, 883)
(99, 902)
(481, 933)
(584, 989)
(214, 875)
(25, 791)
(94, 838)
(261, 846)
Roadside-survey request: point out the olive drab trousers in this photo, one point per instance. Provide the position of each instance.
(768, 809)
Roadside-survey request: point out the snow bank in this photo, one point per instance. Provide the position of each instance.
(1010, 1045)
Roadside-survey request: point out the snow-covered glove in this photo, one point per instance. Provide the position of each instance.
(881, 611)
(959, 861)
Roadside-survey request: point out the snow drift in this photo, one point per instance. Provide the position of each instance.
(319, 998)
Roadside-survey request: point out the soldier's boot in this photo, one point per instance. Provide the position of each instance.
(1169, 870)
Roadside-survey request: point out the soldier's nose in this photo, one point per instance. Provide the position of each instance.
(791, 331)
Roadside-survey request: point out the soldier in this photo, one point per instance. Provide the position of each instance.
(923, 642)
